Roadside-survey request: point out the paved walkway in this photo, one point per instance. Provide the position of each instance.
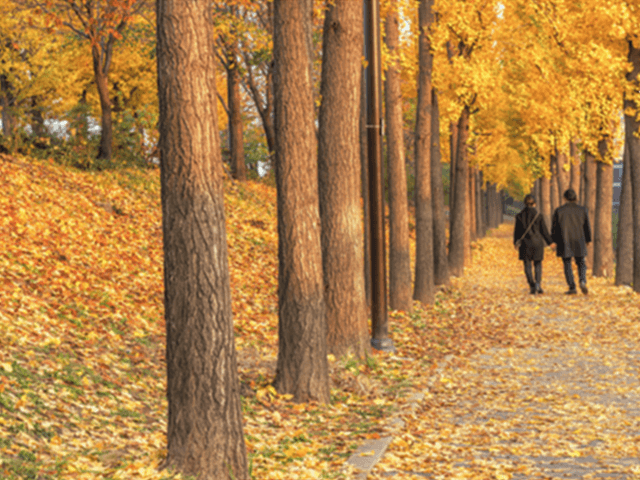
(562, 401)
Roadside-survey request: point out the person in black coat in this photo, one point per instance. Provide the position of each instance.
(571, 232)
(532, 243)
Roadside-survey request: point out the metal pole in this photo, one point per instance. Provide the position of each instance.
(379, 319)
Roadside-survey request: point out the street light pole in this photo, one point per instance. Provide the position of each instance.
(379, 319)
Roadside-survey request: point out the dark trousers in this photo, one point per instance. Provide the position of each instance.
(527, 271)
(568, 271)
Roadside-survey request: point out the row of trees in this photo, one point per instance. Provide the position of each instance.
(505, 92)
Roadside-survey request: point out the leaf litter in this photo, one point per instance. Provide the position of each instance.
(82, 372)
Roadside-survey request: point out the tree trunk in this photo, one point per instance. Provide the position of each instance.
(554, 196)
(399, 256)
(364, 174)
(602, 239)
(624, 250)
(339, 180)
(302, 367)
(440, 260)
(563, 176)
(576, 184)
(424, 281)
(480, 228)
(453, 145)
(590, 196)
(234, 100)
(105, 150)
(456, 242)
(473, 177)
(545, 201)
(7, 102)
(632, 127)
(204, 431)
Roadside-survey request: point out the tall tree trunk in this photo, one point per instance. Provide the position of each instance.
(424, 281)
(453, 145)
(204, 430)
(590, 196)
(364, 174)
(575, 183)
(105, 150)
(399, 256)
(7, 102)
(339, 180)
(456, 241)
(234, 100)
(302, 367)
(602, 239)
(545, 203)
(632, 127)
(480, 228)
(563, 176)
(624, 250)
(473, 177)
(554, 196)
(440, 260)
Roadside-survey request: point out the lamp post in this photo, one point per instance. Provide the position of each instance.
(379, 319)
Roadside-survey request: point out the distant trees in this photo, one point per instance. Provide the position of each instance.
(204, 431)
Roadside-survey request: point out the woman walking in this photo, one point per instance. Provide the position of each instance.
(529, 236)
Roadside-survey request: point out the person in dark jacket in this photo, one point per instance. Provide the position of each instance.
(532, 243)
(571, 232)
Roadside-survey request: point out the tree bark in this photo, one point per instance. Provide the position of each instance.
(473, 174)
(563, 176)
(424, 281)
(440, 260)
(339, 180)
(234, 100)
(399, 256)
(302, 368)
(602, 239)
(105, 150)
(456, 241)
(624, 250)
(364, 174)
(554, 197)
(480, 228)
(204, 431)
(575, 183)
(7, 101)
(545, 201)
(632, 128)
(590, 196)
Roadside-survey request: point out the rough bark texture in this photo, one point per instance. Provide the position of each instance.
(204, 432)
(302, 367)
(632, 129)
(555, 198)
(339, 180)
(624, 237)
(440, 260)
(456, 241)
(575, 183)
(602, 238)
(480, 228)
(563, 176)
(545, 201)
(100, 70)
(590, 196)
(364, 175)
(399, 256)
(234, 100)
(473, 174)
(424, 282)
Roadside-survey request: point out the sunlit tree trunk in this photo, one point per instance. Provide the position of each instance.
(399, 255)
(590, 197)
(624, 250)
(480, 228)
(545, 201)
(339, 180)
(632, 127)
(458, 216)
(424, 282)
(100, 70)
(554, 197)
(575, 183)
(440, 260)
(204, 428)
(302, 368)
(234, 99)
(602, 238)
(563, 176)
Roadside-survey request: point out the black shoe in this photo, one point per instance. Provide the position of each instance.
(539, 290)
(533, 290)
(572, 291)
(583, 288)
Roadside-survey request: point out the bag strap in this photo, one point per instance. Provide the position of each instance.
(529, 227)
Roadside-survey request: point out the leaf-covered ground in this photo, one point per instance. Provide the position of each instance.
(82, 388)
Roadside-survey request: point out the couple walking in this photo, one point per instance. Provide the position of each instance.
(570, 233)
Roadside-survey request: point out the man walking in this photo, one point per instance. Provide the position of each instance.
(571, 232)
